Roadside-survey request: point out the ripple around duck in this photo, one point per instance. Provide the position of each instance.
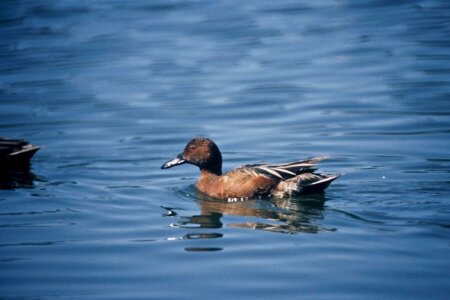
(284, 216)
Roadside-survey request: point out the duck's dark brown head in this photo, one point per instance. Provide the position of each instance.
(201, 152)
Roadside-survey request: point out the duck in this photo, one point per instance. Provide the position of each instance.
(15, 153)
(252, 180)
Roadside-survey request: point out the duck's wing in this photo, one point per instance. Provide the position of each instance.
(281, 179)
(283, 171)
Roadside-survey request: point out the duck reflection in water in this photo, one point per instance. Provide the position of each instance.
(283, 215)
(16, 178)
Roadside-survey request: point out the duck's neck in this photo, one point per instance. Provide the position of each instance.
(213, 167)
(211, 172)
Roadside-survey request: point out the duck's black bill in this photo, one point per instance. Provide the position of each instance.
(179, 160)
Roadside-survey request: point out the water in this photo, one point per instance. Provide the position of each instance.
(113, 89)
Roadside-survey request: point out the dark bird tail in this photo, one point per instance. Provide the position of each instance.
(16, 153)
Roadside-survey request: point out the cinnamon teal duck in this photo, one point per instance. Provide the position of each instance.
(249, 181)
(15, 153)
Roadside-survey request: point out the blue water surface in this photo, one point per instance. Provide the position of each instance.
(112, 89)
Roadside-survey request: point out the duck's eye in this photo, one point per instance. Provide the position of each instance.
(191, 147)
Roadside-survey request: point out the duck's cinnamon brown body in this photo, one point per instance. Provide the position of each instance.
(250, 180)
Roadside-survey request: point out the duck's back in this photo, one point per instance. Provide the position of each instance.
(277, 180)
